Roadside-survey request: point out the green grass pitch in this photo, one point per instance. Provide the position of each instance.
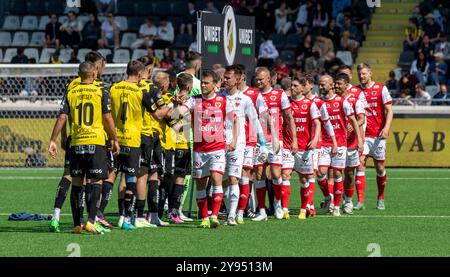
(416, 222)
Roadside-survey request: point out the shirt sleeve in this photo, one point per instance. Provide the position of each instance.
(261, 104)
(252, 115)
(314, 111)
(147, 100)
(106, 101)
(348, 110)
(363, 100)
(359, 108)
(190, 104)
(285, 103)
(324, 113)
(387, 99)
(64, 107)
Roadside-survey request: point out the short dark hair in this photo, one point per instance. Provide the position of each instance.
(93, 57)
(303, 78)
(134, 67)
(184, 79)
(346, 67)
(342, 76)
(236, 70)
(192, 56)
(241, 67)
(85, 68)
(210, 73)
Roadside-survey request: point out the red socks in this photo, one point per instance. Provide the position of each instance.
(202, 203)
(381, 183)
(338, 190)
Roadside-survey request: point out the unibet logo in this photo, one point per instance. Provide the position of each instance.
(373, 3)
(229, 35)
(73, 3)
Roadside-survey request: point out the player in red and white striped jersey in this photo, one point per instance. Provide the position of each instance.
(307, 124)
(209, 111)
(325, 187)
(279, 109)
(379, 115)
(353, 154)
(339, 111)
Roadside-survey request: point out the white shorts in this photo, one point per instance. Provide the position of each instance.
(273, 159)
(316, 155)
(337, 161)
(376, 148)
(352, 158)
(234, 161)
(304, 162)
(207, 162)
(249, 157)
(288, 160)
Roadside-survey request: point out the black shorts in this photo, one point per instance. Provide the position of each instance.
(128, 160)
(67, 151)
(88, 161)
(152, 156)
(182, 162)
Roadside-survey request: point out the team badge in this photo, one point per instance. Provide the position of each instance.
(273, 98)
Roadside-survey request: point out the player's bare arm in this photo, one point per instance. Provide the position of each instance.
(357, 130)
(290, 121)
(389, 116)
(108, 124)
(313, 143)
(59, 124)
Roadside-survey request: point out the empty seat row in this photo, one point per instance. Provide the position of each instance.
(119, 55)
(31, 22)
(21, 39)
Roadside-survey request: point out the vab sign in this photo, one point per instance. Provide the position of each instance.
(373, 3)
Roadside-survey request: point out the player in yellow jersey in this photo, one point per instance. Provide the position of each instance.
(128, 100)
(64, 184)
(176, 150)
(88, 107)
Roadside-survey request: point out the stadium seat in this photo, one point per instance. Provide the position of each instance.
(64, 54)
(9, 54)
(45, 55)
(292, 41)
(83, 18)
(11, 22)
(432, 90)
(105, 52)
(32, 53)
(43, 22)
(135, 22)
(5, 39)
(182, 41)
(345, 57)
(21, 39)
(123, 22)
(63, 19)
(29, 22)
(163, 8)
(138, 53)
(37, 39)
(278, 40)
(288, 56)
(406, 59)
(101, 18)
(159, 53)
(128, 39)
(121, 56)
(1, 55)
(82, 53)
